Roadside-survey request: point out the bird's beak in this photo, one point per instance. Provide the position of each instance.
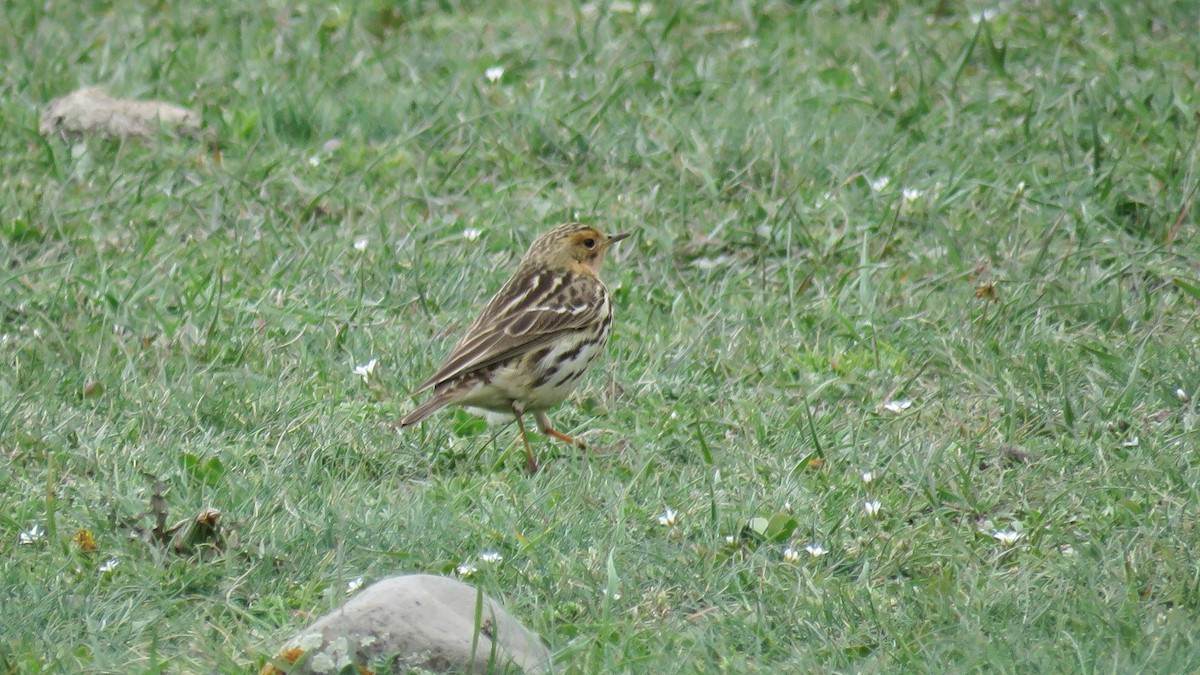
(615, 238)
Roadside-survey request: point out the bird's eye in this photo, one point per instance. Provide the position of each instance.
(589, 243)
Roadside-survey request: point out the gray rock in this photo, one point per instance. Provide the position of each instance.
(91, 111)
(415, 621)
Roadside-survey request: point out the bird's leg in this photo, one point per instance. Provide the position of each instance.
(530, 461)
(548, 429)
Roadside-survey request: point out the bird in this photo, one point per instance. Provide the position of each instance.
(530, 346)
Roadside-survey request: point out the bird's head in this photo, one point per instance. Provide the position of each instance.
(576, 247)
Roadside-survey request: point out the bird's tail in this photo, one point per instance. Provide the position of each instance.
(439, 400)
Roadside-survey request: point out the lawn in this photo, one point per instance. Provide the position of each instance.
(907, 336)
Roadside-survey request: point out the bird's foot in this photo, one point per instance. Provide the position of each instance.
(570, 440)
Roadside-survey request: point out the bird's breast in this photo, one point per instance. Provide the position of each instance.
(560, 366)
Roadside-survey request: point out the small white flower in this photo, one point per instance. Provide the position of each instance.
(109, 565)
(360, 245)
(1007, 537)
(314, 161)
(1132, 442)
(912, 194)
(879, 184)
(491, 557)
(871, 507)
(1183, 396)
(791, 555)
(669, 517)
(466, 570)
(985, 15)
(730, 540)
(868, 476)
(614, 596)
(472, 234)
(366, 370)
(824, 199)
(32, 536)
(354, 584)
(899, 405)
(816, 550)
(494, 73)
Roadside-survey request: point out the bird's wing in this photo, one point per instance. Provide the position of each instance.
(528, 312)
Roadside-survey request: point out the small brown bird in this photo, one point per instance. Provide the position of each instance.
(535, 338)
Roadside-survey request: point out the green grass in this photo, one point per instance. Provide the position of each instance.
(165, 316)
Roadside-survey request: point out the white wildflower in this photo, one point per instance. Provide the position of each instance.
(1183, 396)
(466, 570)
(1007, 537)
(354, 584)
(494, 73)
(472, 234)
(868, 476)
(491, 557)
(109, 565)
(985, 15)
(879, 184)
(366, 370)
(899, 405)
(360, 245)
(314, 161)
(816, 550)
(32, 536)
(669, 517)
(871, 507)
(911, 194)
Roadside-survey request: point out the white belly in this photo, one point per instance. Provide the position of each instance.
(549, 382)
(543, 384)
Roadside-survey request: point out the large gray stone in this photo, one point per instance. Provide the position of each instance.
(91, 111)
(415, 621)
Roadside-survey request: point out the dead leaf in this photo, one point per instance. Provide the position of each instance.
(86, 541)
(987, 292)
(201, 534)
